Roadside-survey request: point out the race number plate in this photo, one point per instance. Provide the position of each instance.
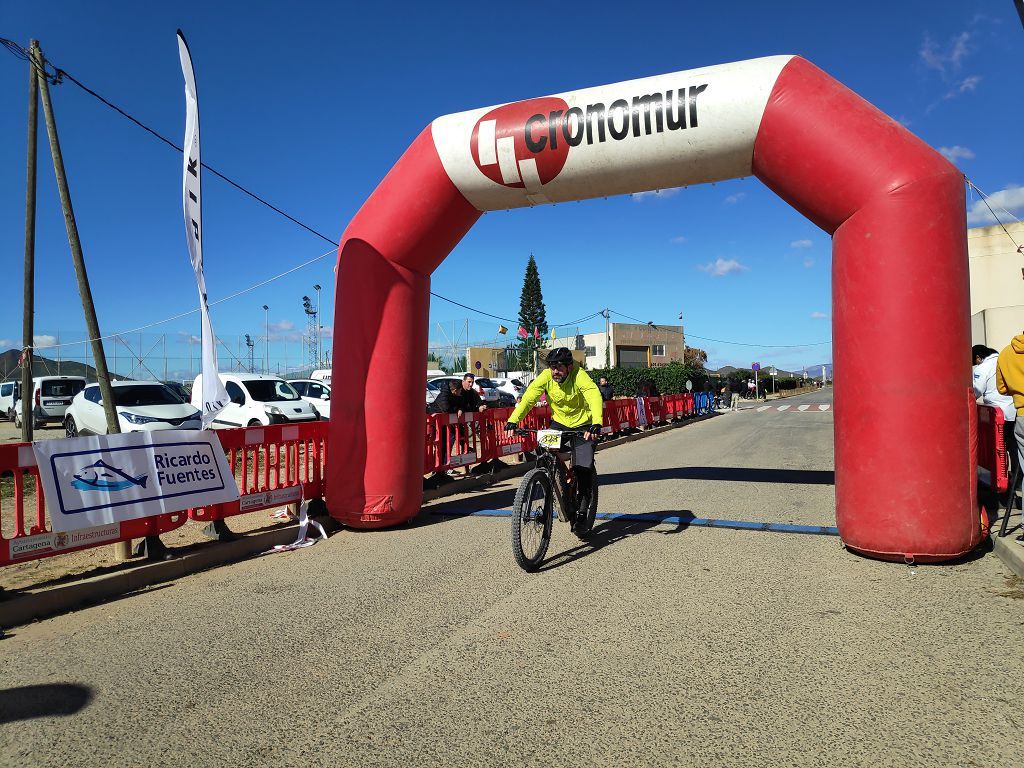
(549, 438)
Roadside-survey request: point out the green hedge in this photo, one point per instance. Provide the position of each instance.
(669, 379)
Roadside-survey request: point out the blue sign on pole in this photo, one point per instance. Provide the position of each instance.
(755, 366)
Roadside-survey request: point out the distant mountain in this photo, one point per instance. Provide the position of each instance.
(44, 366)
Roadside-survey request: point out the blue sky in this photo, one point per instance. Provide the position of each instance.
(310, 104)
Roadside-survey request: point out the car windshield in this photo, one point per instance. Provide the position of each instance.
(145, 394)
(270, 391)
(68, 388)
(486, 383)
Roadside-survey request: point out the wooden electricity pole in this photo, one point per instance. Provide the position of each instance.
(27, 417)
(122, 549)
(91, 325)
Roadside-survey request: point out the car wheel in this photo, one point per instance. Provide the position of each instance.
(70, 428)
(255, 423)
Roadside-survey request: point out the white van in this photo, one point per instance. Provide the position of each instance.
(256, 400)
(10, 391)
(51, 396)
(324, 375)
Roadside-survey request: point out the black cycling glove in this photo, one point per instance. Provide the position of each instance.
(510, 427)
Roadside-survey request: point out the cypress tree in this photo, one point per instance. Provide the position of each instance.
(531, 308)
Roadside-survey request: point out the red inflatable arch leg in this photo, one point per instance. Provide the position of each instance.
(900, 306)
(409, 224)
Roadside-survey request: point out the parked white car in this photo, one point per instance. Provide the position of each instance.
(142, 406)
(316, 393)
(10, 391)
(485, 388)
(514, 387)
(256, 400)
(51, 396)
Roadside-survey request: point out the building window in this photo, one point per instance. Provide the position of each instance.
(657, 350)
(591, 351)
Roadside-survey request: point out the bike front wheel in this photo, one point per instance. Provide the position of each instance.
(531, 520)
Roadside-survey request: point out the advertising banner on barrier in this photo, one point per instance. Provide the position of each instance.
(96, 481)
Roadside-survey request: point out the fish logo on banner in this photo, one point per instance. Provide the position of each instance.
(101, 476)
(214, 396)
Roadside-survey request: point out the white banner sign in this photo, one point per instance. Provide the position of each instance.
(96, 481)
(213, 394)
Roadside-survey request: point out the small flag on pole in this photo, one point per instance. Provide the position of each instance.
(522, 333)
(502, 329)
(536, 332)
(553, 334)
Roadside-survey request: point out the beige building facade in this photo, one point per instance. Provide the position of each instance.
(997, 284)
(635, 346)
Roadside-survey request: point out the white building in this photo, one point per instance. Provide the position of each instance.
(997, 284)
(634, 346)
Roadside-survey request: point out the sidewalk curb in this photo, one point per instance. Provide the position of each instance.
(1010, 552)
(24, 607)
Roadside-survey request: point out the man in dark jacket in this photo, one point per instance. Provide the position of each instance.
(470, 397)
(607, 391)
(449, 399)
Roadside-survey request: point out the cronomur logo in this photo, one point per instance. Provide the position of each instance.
(503, 153)
(101, 476)
(525, 145)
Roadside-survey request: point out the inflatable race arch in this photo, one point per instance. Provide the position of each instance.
(905, 478)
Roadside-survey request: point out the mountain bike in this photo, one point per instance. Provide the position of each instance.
(551, 483)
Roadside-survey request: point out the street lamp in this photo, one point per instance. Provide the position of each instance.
(266, 348)
(319, 326)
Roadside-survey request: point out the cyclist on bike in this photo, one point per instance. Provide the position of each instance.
(575, 404)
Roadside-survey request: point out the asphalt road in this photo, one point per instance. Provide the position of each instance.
(655, 645)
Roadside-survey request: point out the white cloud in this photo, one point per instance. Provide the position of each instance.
(5, 343)
(956, 152)
(189, 337)
(968, 84)
(808, 262)
(733, 199)
(723, 267)
(1011, 198)
(43, 341)
(819, 316)
(947, 57)
(641, 196)
(801, 244)
(282, 326)
(679, 240)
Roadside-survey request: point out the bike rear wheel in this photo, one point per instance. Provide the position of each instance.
(531, 520)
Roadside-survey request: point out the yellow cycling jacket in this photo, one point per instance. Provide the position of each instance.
(576, 402)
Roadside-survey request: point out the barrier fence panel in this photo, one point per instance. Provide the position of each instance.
(274, 465)
(24, 533)
(993, 461)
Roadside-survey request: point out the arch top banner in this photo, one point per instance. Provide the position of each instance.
(658, 132)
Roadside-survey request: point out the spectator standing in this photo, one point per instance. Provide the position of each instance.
(1008, 380)
(607, 391)
(734, 402)
(448, 400)
(470, 397)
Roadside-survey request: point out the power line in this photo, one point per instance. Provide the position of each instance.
(61, 74)
(984, 199)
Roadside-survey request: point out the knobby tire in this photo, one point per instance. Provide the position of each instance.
(533, 481)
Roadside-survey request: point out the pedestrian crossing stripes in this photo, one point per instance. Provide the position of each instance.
(813, 408)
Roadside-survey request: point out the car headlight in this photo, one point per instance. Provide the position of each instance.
(134, 418)
(272, 409)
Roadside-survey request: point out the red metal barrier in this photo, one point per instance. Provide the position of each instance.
(274, 465)
(993, 461)
(451, 441)
(19, 543)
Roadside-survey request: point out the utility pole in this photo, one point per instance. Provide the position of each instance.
(122, 549)
(35, 61)
(84, 291)
(607, 338)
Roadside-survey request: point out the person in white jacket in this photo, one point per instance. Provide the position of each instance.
(984, 359)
